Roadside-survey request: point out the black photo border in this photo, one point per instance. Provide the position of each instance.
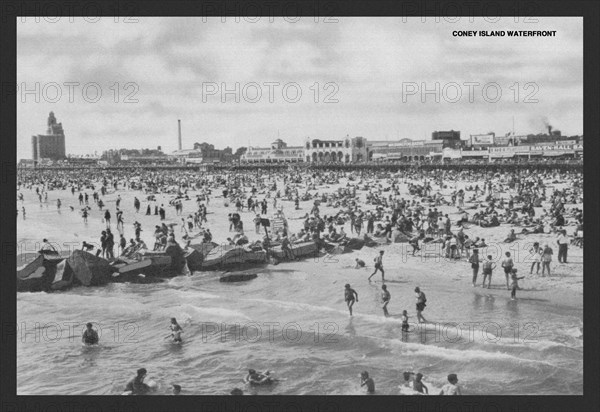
(590, 401)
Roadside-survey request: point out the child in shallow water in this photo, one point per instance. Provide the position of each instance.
(408, 379)
(418, 385)
(451, 388)
(368, 382)
(404, 321)
(515, 284)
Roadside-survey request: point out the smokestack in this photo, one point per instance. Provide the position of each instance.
(549, 130)
(179, 127)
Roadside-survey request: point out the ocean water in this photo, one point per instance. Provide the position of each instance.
(297, 325)
(291, 319)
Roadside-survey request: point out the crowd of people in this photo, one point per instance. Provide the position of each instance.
(486, 198)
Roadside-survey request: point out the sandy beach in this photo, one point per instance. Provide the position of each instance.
(545, 320)
(67, 230)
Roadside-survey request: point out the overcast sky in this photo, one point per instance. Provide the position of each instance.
(177, 66)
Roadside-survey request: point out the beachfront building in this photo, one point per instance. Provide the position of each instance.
(279, 152)
(188, 155)
(49, 146)
(449, 139)
(203, 153)
(347, 150)
(131, 156)
(403, 150)
(84, 160)
(558, 148)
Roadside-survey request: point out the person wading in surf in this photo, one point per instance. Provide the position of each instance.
(404, 321)
(176, 330)
(90, 336)
(421, 299)
(418, 385)
(385, 297)
(451, 388)
(349, 296)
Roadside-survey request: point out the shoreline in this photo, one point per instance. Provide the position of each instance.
(565, 285)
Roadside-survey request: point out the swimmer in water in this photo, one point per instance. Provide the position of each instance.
(137, 386)
(365, 380)
(176, 330)
(255, 378)
(451, 388)
(176, 389)
(350, 296)
(237, 392)
(90, 336)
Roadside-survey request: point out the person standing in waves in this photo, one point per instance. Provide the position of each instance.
(350, 296)
(90, 336)
(421, 303)
(385, 297)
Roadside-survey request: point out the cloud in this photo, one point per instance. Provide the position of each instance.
(367, 60)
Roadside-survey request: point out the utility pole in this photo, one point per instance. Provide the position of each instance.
(179, 133)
